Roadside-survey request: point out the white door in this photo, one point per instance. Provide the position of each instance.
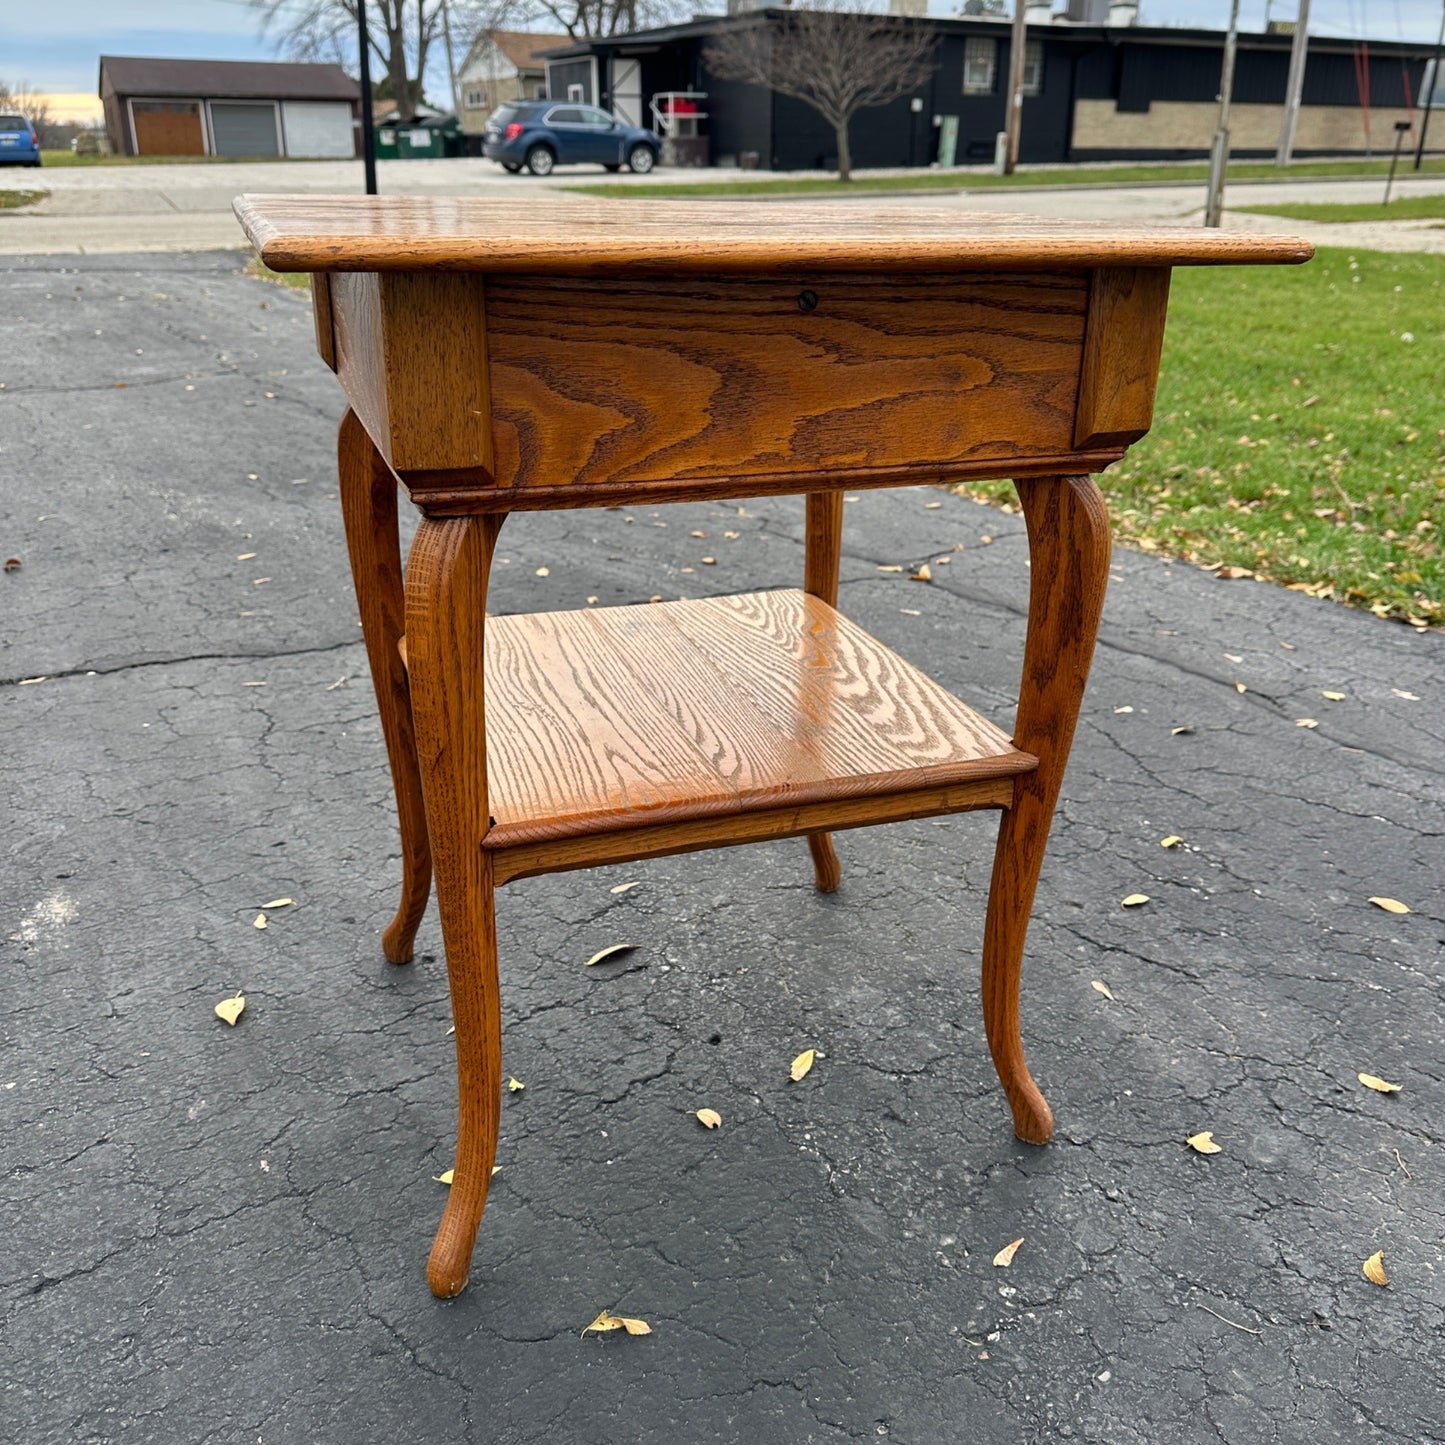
(318, 128)
(627, 90)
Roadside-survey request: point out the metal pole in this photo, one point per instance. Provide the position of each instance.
(1401, 126)
(368, 139)
(1294, 87)
(1430, 94)
(1014, 121)
(1219, 150)
(451, 66)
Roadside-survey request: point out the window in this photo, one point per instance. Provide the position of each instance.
(1034, 67)
(564, 115)
(574, 92)
(980, 64)
(474, 97)
(596, 117)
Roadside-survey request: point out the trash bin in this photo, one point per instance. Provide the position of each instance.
(420, 137)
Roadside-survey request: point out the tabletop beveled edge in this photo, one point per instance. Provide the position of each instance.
(357, 233)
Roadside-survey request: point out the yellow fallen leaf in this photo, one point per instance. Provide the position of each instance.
(1306, 722)
(1174, 732)
(1172, 841)
(260, 921)
(515, 1086)
(890, 568)
(244, 556)
(1370, 1081)
(1374, 1268)
(1123, 709)
(544, 571)
(697, 534)
(1234, 657)
(710, 1117)
(1390, 905)
(624, 887)
(230, 1009)
(732, 536)
(612, 951)
(635, 1326)
(1134, 900)
(279, 903)
(802, 1064)
(1005, 1256)
(606, 1322)
(1099, 986)
(932, 506)
(1203, 1143)
(1408, 696)
(1240, 687)
(445, 1177)
(708, 561)
(924, 574)
(1335, 696)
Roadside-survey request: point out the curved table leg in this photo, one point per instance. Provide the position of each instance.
(1068, 527)
(824, 550)
(446, 598)
(368, 506)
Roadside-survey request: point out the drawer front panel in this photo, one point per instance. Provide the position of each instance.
(612, 381)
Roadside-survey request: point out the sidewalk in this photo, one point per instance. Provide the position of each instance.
(219, 1234)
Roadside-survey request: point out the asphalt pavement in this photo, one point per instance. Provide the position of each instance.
(218, 1234)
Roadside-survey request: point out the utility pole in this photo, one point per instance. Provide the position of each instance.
(1294, 87)
(451, 64)
(1430, 94)
(1014, 122)
(368, 140)
(1219, 151)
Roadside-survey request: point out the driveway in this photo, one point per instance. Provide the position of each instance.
(217, 1234)
(95, 209)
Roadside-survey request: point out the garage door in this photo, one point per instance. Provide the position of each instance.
(168, 128)
(244, 128)
(318, 128)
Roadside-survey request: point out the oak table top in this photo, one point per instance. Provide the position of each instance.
(549, 235)
(547, 352)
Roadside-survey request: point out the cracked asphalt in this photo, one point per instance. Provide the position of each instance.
(217, 1235)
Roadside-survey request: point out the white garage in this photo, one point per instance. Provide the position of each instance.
(318, 128)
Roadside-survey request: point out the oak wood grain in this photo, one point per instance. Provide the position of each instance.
(822, 555)
(595, 850)
(1122, 344)
(368, 508)
(321, 317)
(626, 717)
(574, 236)
(1068, 527)
(446, 597)
(667, 380)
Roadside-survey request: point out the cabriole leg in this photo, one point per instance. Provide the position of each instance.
(446, 598)
(1068, 528)
(368, 506)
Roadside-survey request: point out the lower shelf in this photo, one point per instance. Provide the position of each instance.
(653, 717)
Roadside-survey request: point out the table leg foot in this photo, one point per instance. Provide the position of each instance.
(446, 599)
(827, 871)
(368, 505)
(1068, 526)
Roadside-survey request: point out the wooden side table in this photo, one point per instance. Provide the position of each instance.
(548, 353)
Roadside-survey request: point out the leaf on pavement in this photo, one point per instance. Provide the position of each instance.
(1306, 722)
(615, 950)
(624, 887)
(1374, 1268)
(515, 1086)
(230, 1009)
(1175, 732)
(279, 903)
(1134, 900)
(1172, 841)
(1390, 905)
(259, 921)
(445, 1177)
(710, 1117)
(1372, 1081)
(606, 1322)
(1334, 696)
(1099, 986)
(924, 574)
(802, 1064)
(1005, 1256)
(1204, 1143)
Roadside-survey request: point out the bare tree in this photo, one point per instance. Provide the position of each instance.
(401, 34)
(583, 18)
(836, 61)
(22, 96)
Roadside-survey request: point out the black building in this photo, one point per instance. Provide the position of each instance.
(1090, 93)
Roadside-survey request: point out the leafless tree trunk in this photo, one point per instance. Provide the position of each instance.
(836, 61)
(32, 105)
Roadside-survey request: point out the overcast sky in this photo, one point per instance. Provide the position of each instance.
(55, 48)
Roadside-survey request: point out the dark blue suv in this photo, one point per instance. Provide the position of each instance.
(541, 134)
(19, 145)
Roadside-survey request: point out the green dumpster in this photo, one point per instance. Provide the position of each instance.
(421, 137)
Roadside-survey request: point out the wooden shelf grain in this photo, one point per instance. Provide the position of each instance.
(624, 718)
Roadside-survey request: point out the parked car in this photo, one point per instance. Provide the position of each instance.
(541, 134)
(19, 145)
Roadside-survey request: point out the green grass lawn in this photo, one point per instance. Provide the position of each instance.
(69, 158)
(1403, 208)
(297, 280)
(924, 180)
(13, 200)
(1298, 431)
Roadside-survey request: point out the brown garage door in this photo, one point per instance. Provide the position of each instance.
(168, 128)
